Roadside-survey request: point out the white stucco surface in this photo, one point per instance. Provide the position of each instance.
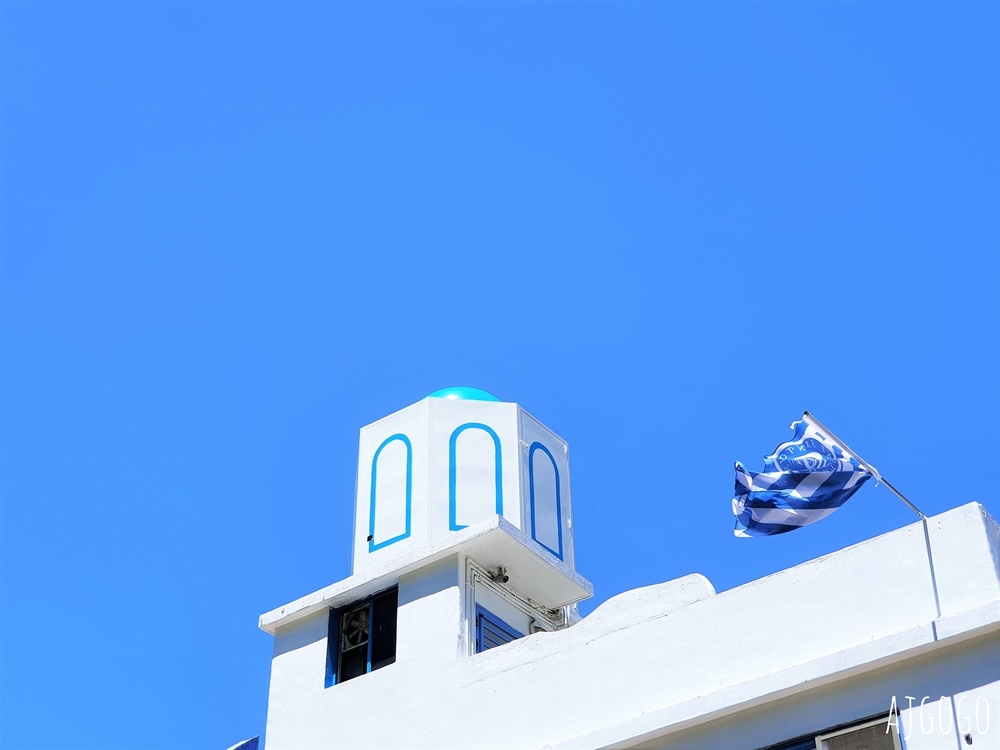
(676, 665)
(430, 613)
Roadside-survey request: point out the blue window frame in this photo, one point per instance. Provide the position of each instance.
(372, 544)
(491, 631)
(531, 494)
(361, 637)
(453, 523)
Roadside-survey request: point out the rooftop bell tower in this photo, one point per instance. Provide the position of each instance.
(462, 542)
(455, 459)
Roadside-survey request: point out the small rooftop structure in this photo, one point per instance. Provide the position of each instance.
(458, 628)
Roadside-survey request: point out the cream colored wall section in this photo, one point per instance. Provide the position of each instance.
(834, 635)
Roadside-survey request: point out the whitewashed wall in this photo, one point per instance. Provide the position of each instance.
(676, 665)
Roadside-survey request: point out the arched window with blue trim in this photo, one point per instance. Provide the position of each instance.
(544, 499)
(470, 468)
(392, 492)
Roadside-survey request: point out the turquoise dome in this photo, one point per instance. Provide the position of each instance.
(465, 393)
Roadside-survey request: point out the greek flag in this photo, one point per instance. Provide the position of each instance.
(803, 481)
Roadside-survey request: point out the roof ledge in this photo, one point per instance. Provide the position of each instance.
(534, 572)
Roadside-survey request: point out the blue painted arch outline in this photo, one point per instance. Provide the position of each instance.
(531, 495)
(453, 524)
(372, 546)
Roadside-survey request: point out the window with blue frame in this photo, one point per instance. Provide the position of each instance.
(362, 637)
(491, 631)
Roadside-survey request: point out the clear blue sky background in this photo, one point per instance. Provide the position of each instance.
(233, 233)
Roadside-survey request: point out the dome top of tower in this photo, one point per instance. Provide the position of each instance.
(463, 393)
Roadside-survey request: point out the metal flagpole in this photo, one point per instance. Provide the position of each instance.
(923, 518)
(861, 461)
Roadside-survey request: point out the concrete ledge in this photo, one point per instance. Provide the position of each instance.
(825, 670)
(534, 572)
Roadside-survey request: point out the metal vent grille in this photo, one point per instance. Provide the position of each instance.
(491, 631)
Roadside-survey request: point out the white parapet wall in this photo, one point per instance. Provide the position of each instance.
(915, 612)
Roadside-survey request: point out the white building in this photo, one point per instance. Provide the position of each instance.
(458, 626)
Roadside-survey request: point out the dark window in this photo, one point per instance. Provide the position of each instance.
(807, 744)
(875, 736)
(491, 631)
(361, 637)
(870, 734)
(383, 650)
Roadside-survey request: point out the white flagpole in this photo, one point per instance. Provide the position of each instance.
(861, 461)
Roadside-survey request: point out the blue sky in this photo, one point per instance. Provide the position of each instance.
(233, 233)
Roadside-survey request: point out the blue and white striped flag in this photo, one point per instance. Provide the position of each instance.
(803, 481)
